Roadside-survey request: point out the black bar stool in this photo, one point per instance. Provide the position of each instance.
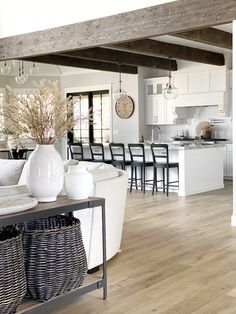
(160, 155)
(117, 151)
(17, 154)
(97, 153)
(137, 157)
(76, 152)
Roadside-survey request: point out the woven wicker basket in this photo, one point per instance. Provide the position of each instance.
(55, 257)
(12, 270)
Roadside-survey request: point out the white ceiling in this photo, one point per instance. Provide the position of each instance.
(226, 27)
(194, 44)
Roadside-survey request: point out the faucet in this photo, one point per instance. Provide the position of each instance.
(156, 129)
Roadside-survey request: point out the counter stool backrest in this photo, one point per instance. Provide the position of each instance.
(160, 153)
(117, 151)
(17, 154)
(97, 151)
(76, 151)
(136, 153)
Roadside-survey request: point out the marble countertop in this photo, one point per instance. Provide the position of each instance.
(194, 146)
(172, 146)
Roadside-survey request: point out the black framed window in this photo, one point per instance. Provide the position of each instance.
(95, 104)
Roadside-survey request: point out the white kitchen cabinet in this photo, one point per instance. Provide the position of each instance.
(155, 85)
(198, 82)
(228, 161)
(180, 80)
(158, 110)
(217, 81)
(151, 109)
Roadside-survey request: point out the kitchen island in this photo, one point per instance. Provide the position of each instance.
(200, 166)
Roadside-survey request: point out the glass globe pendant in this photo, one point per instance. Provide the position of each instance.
(5, 70)
(170, 92)
(21, 77)
(120, 92)
(34, 69)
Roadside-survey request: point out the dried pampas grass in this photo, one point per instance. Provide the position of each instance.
(41, 115)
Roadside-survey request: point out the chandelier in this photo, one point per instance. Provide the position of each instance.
(170, 91)
(21, 77)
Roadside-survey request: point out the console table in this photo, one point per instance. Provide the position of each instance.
(66, 206)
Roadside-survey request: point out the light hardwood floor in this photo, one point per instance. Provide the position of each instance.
(178, 257)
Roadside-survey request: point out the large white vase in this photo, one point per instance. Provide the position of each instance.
(78, 182)
(45, 173)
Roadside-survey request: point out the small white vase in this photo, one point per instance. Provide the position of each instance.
(78, 182)
(45, 173)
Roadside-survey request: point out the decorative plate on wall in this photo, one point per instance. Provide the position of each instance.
(201, 127)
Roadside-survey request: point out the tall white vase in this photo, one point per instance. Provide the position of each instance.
(78, 182)
(45, 173)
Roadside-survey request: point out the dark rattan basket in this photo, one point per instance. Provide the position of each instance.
(55, 257)
(12, 270)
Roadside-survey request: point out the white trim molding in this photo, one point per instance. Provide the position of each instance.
(233, 220)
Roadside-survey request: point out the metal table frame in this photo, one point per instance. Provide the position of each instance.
(66, 206)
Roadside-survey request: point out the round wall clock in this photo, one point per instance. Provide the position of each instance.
(124, 107)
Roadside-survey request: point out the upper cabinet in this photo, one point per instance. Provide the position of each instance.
(218, 81)
(203, 88)
(158, 111)
(200, 82)
(180, 80)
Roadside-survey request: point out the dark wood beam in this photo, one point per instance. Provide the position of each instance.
(81, 63)
(209, 35)
(154, 47)
(122, 57)
(167, 18)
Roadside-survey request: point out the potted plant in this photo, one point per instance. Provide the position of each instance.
(44, 118)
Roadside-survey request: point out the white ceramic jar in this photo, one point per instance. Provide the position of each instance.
(78, 182)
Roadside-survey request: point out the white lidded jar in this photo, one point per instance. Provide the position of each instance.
(78, 182)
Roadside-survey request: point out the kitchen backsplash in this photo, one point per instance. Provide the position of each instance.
(222, 126)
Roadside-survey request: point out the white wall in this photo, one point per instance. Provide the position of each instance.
(24, 16)
(233, 220)
(124, 130)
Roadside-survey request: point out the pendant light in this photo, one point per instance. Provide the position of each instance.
(34, 69)
(5, 69)
(170, 92)
(21, 78)
(120, 92)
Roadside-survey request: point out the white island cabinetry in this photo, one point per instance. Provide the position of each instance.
(201, 169)
(228, 162)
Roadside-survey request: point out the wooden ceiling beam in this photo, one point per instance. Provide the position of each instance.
(82, 63)
(122, 57)
(154, 47)
(167, 18)
(209, 35)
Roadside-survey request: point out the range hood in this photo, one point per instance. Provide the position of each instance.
(219, 99)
